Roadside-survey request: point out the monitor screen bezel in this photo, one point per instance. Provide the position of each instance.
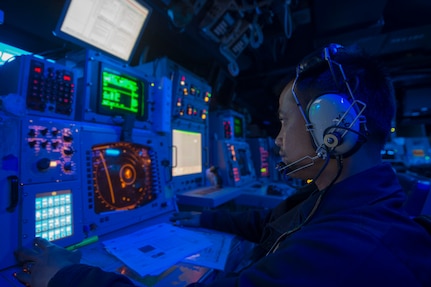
(29, 217)
(142, 113)
(59, 32)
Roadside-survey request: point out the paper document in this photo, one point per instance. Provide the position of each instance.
(216, 255)
(152, 250)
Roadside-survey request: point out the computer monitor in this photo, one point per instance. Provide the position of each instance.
(111, 93)
(112, 27)
(186, 153)
(120, 93)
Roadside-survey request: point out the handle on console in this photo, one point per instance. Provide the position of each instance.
(14, 192)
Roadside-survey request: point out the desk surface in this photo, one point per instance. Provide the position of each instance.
(179, 275)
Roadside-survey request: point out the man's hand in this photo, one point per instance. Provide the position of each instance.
(185, 218)
(42, 262)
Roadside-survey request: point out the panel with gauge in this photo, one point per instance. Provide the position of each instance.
(48, 181)
(188, 125)
(49, 150)
(124, 182)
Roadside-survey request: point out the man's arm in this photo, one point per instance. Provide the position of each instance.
(49, 265)
(88, 276)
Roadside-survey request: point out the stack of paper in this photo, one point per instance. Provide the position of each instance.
(152, 250)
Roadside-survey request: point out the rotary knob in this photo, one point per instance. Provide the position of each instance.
(43, 164)
(68, 151)
(67, 136)
(67, 166)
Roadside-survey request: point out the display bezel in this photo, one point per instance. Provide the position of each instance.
(28, 228)
(142, 86)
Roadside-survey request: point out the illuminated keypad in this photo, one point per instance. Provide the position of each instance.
(53, 215)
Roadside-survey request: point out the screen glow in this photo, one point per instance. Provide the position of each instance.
(54, 215)
(113, 26)
(121, 94)
(187, 152)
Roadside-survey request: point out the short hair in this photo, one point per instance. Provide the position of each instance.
(369, 80)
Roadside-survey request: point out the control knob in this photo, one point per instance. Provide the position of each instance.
(68, 137)
(67, 166)
(44, 131)
(43, 164)
(68, 151)
(31, 132)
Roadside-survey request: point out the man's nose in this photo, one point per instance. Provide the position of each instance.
(278, 141)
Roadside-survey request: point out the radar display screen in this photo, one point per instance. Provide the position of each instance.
(122, 176)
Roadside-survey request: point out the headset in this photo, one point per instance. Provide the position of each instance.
(335, 120)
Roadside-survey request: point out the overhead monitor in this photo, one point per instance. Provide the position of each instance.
(187, 152)
(111, 26)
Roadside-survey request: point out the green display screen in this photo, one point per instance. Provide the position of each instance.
(238, 127)
(121, 94)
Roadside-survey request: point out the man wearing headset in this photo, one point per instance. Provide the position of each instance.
(346, 228)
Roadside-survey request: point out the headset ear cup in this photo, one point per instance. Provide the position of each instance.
(324, 113)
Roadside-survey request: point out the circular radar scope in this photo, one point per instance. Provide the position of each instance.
(122, 176)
